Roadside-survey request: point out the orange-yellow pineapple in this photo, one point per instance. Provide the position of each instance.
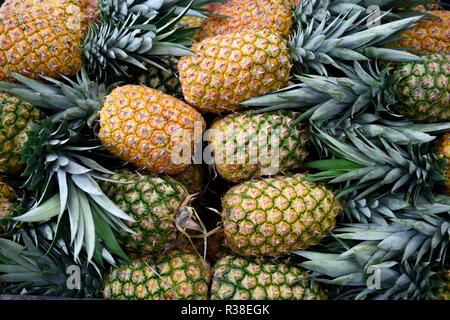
(149, 129)
(228, 69)
(76, 11)
(432, 34)
(34, 43)
(236, 15)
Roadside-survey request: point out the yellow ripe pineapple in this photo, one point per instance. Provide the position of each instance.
(75, 11)
(432, 34)
(229, 69)
(35, 44)
(275, 216)
(142, 126)
(59, 37)
(237, 15)
(145, 127)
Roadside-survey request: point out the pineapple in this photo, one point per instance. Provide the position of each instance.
(16, 116)
(76, 12)
(229, 69)
(423, 88)
(154, 203)
(275, 216)
(239, 278)
(7, 199)
(192, 178)
(444, 152)
(143, 126)
(177, 275)
(237, 15)
(248, 145)
(140, 125)
(54, 39)
(432, 34)
(166, 80)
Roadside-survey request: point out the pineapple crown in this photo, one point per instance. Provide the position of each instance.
(401, 247)
(414, 234)
(378, 166)
(373, 126)
(119, 10)
(365, 89)
(324, 9)
(70, 100)
(366, 273)
(64, 179)
(132, 33)
(41, 269)
(339, 40)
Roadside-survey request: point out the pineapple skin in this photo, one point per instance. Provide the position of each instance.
(192, 178)
(275, 216)
(76, 11)
(227, 70)
(153, 202)
(240, 278)
(35, 44)
(177, 275)
(423, 88)
(144, 126)
(237, 15)
(7, 199)
(255, 132)
(430, 34)
(443, 145)
(16, 116)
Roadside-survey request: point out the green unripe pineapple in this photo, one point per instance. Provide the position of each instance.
(275, 216)
(239, 278)
(154, 202)
(423, 89)
(178, 275)
(247, 146)
(16, 116)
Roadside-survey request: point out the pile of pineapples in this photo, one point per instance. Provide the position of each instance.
(311, 153)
